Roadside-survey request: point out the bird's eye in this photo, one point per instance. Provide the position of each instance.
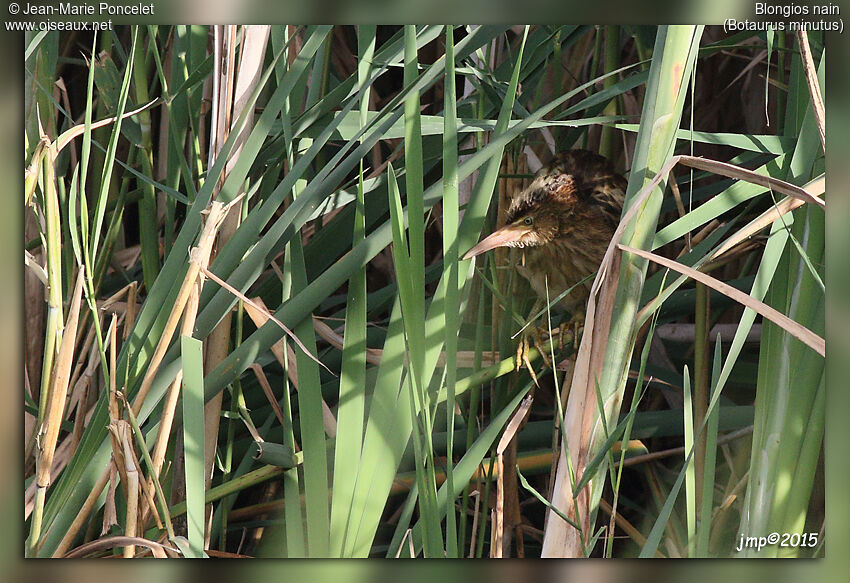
(528, 221)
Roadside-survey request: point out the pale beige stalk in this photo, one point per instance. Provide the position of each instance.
(199, 256)
(231, 95)
(812, 81)
(497, 532)
(49, 432)
(187, 307)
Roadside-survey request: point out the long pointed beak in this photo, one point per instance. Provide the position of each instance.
(501, 238)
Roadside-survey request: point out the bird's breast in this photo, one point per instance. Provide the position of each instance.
(558, 266)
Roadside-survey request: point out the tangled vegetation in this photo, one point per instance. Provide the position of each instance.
(250, 329)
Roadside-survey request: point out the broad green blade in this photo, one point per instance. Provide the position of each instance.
(191, 352)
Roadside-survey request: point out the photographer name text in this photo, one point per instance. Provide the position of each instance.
(99, 9)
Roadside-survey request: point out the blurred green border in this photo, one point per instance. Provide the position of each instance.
(838, 306)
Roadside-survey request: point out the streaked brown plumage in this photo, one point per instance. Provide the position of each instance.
(562, 224)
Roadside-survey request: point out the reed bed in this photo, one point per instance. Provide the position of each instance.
(250, 329)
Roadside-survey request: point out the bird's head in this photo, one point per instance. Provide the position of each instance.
(534, 216)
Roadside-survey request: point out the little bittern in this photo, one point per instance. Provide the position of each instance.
(562, 224)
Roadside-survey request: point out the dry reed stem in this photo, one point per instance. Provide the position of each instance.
(267, 390)
(326, 333)
(656, 455)
(131, 472)
(217, 343)
(130, 313)
(733, 171)
(498, 524)
(170, 403)
(259, 314)
(475, 514)
(158, 550)
(31, 263)
(696, 239)
(114, 413)
(799, 331)
(816, 188)
(683, 332)
(409, 539)
(60, 460)
(116, 430)
(50, 231)
(110, 512)
(198, 256)
(59, 389)
(80, 394)
(582, 394)
(811, 75)
(80, 129)
(33, 170)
